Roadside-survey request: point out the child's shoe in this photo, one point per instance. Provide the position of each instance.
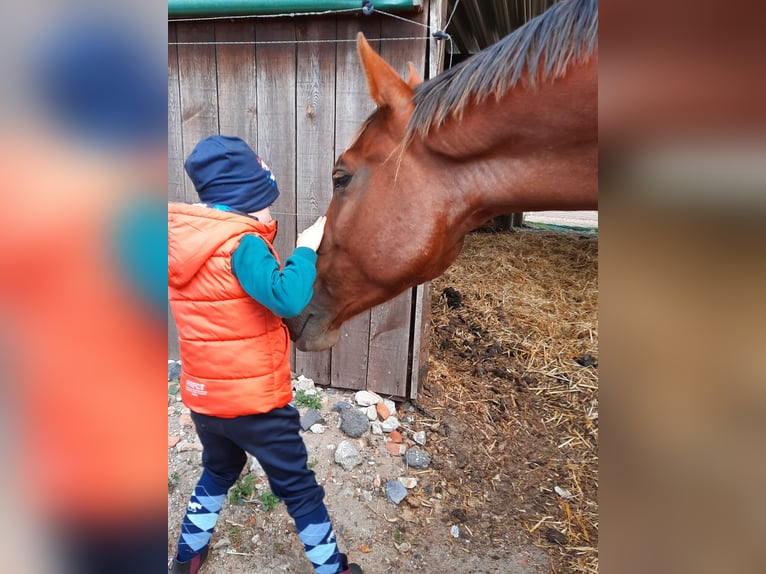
(190, 566)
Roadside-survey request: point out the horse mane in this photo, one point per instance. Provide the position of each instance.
(566, 32)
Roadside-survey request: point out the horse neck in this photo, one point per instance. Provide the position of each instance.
(531, 150)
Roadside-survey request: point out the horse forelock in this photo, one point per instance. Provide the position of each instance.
(544, 48)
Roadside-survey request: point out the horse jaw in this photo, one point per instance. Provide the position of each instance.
(310, 333)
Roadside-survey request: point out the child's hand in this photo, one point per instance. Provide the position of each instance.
(311, 237)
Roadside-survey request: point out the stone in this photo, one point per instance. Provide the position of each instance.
(347, 456)
(408, 482)
(382, 411)
(341, 406)
(366, 398)
(222, 543)
(395, 436)
(317, 428)
(390, 405)
(454, 531)
(371, 412)
(187, 446)
(173, 441)
(390, 424)
(256, 468)
(419, 437)
(395, 491)
(310, 418)
(304, 384)
(185, 420)
(354, 422)
(174, 370)
(395, 449)
(417, 458)
(376, 428)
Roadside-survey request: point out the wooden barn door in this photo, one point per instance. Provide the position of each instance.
(297, 100)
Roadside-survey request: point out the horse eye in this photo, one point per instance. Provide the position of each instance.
(341, 180)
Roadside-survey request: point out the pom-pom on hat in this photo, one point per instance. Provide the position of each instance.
(225, 171)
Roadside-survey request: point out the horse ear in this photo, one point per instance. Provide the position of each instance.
(386, 87)
(413, 78)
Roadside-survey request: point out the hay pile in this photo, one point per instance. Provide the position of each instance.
(512, 394)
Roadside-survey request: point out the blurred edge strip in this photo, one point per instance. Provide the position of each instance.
(178, 8)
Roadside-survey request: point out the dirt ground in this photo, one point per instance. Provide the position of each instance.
(510, 412)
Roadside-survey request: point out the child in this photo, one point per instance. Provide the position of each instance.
(228, 294)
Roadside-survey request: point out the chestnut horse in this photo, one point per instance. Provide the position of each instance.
(513, 128)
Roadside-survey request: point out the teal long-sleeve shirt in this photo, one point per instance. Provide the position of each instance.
(285, 292)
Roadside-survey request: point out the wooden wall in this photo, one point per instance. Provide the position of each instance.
(297, 104)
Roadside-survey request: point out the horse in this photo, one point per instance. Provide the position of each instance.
(513, 128)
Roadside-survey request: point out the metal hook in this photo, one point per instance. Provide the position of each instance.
(367, 7)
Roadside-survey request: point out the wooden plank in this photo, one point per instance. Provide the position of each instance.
(421, 338)
(421, 333)
(353, 105)
(235, 64)
(197, 87)
(390, 323)
(275, 78)
(315, 139)
(275, 105)
(175, 145)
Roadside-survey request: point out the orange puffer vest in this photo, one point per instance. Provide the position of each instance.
(235, 353)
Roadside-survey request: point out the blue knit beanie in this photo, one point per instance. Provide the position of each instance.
(225, 171)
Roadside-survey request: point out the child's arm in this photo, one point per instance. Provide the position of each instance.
(285, 292)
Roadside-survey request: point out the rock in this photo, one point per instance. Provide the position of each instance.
(408, 482)
(347, 456)
(187, 446)
(390, 424)
(371, 412)
(395, 436)
(174, 370)
(454, 531)
(390, 405)
(376, 428)
(222, 543)
(341, 406)
(409, 407)
(354, 422)
(419, 437)
(382, 411)
(256, 468)
(173, 441)
(317, 428)
(556, 537)
(562, 492)
(304, 384)
(395, 491)
(395, 449)
(417, 458)
(310, 418)
(366, 398)
(185, 420)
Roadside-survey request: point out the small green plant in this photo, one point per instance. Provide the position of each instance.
(311, 464)
(269, 500)
(173, 388)
(243, 489)
(398, 536)
(304, 399)
(173, 480)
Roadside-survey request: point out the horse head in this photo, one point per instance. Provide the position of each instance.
(513, 128)
(375, 246)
